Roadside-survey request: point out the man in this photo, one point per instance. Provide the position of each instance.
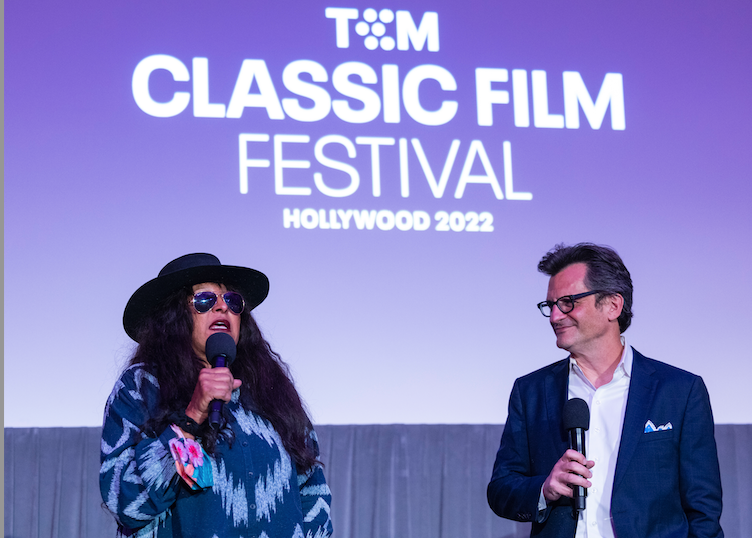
(652, 466)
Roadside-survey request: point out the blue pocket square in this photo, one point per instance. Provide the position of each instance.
(650, 427)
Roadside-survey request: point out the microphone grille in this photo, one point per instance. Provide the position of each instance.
(220, 344)
(576, 414)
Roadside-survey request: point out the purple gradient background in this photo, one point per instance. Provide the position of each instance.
(378, 327)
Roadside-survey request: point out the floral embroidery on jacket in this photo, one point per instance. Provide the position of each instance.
(189, 460)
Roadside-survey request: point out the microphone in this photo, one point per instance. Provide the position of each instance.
(576, 421)
(220, 350)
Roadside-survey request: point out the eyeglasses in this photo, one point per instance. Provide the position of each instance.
(204, 301)
(565, 304)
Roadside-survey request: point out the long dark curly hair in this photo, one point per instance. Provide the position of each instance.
(165, 350)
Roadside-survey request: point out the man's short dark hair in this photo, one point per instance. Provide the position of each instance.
(605, 271)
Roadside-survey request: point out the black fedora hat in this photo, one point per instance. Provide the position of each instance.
(186, 271)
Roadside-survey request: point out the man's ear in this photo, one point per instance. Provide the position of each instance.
(614, 305)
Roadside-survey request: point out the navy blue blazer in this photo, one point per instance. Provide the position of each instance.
(666, 483)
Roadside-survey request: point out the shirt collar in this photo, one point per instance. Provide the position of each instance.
(626, 358)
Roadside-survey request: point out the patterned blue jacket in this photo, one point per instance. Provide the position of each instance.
(257, 491)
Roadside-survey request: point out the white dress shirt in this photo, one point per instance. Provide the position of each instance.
(607, 404)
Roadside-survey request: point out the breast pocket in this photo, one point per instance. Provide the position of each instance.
(656, 456)
(662, 435)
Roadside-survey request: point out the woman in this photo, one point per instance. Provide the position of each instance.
(166, 472)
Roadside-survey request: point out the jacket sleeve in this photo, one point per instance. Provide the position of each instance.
(138, 479)
(699, 472)
(514, 489)
(316, 499)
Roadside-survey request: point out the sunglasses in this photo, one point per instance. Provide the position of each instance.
(204, 301)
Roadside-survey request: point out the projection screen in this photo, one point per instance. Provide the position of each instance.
(396, 170)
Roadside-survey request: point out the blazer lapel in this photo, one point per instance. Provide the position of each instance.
(642, 388)
(556, 396)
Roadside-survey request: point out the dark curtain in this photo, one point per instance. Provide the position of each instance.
(387, 481)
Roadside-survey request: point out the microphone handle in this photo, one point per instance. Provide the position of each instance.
(215, 407)
(577, 442)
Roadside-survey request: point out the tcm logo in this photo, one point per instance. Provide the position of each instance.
(375, 26)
